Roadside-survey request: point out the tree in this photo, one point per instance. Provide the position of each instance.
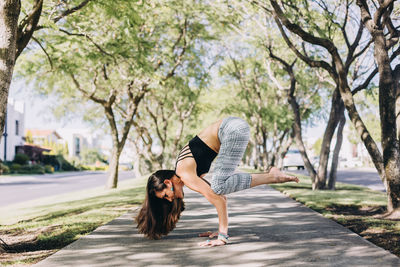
(388, 164)
(14, 36)
(65, 151)
(9, 13)
(249, 91)
(368, 106)
(332, 35)
(139, 47)
(91, 156)
(159, 132)
(29, 137)
(258, 32)
(296, 109)
(170, 115)
(261, 105)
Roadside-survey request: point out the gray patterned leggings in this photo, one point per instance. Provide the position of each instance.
(234, 134)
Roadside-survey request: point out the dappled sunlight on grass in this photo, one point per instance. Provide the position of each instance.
(355, 207)
(40, 226)
(344, 194)
(128, 192)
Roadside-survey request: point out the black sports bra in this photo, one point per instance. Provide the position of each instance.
(201, 152)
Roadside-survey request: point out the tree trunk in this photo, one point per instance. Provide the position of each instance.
(257, 149)
(398, 107)
(265, 152)
(298, 137)
(9, 13)
(283, 149)
(136, 161)
(387, 108)
(249, 153)
(259, 158)
(388, 165)
(327, 139)
(317, 182)
(254, 155)
(338, 146)
(112, 181)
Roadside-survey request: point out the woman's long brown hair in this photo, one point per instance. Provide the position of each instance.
(158, 217)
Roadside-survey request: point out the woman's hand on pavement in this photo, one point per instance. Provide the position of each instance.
(208, 234)
(212, 243)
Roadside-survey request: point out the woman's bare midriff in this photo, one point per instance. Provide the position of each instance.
(210, 136)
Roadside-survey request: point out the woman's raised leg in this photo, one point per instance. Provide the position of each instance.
(274, 176)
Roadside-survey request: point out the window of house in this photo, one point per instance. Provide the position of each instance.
(16, 127)
(77, 146)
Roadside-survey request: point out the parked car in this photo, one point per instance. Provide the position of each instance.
(342, 163)
(315, 162)
(293, 159)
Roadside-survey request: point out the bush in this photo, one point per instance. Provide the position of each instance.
(4, 169)
(48, 168)
(58, 162)
(66, 166)
(32, 169)
(15, 167)
(93, 168)
(101, 168)
(21, 159)
(51, 160)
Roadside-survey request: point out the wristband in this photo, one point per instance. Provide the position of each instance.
(223, 237)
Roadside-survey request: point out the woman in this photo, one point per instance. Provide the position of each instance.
(227, 138)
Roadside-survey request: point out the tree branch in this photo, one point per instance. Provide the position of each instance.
(373, 73)
(325, 43)
(307, 60)
(71, 10)
(384, 5)
(37, 8)
(183, 50)
(366, 15)
(85, 93)
(28, 26)
(44, 50)
(90, 39)
(365, 83)
(350, 58)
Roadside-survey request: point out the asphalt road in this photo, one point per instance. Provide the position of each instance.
(24, 188)
(359, 176)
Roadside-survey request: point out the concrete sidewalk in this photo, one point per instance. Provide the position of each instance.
(266, 228)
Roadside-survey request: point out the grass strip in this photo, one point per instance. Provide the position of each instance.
(358, 208)
(37, 229)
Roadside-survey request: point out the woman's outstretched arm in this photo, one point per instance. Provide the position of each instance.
(219, 201)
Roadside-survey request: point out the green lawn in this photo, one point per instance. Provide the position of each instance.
(358, 208)
(36, 229)
(344, 195)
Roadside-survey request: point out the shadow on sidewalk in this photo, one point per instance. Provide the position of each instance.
(266, 228)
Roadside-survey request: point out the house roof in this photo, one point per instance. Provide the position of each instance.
(36, 148)
(44, 133)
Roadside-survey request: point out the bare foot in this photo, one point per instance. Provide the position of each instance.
(282, 177)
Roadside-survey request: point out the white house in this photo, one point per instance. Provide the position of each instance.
(78, 139)
(13, 134)
(40, 136)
